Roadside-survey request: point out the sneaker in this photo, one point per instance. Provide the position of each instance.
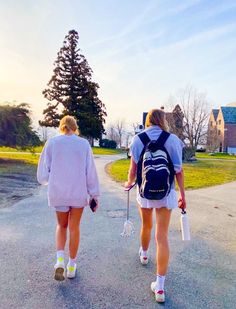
(71, 271)
(59, 267)
(159, 295)
(143, 259)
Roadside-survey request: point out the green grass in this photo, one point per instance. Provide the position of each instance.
(197, 174)
(224, 156)
(28, 158)
(33, 158)
(105, 151)
(96, 150)
(9, 149)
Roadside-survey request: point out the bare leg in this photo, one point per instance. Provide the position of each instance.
(74, 227)
(146, 228)
(61, 229)
(162, 225)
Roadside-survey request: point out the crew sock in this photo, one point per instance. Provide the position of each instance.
(60, 255)
(72, 262)
(160, 283)
(144, 253)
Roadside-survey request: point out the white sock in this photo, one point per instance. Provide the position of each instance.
(60, 254)
(144, 253)
(160, 282)
(72, 262)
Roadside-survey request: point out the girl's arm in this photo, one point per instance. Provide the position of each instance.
(44, 164)
(132, 173)
(180, 181)
(91, 175)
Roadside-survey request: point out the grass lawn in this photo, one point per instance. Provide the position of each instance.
(105, 151)
(9, 149)
(33, 158)
(28, 158)
(224, 156)
(197, 174)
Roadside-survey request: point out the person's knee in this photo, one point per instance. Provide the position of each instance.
(161, 238)
(63, 225)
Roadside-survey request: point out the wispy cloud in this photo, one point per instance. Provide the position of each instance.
(204, 36)
(171, 11)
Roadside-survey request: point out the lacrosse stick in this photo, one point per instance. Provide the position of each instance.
(128, 225)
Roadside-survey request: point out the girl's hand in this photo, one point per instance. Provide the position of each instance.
(128, 184)
(182, 202)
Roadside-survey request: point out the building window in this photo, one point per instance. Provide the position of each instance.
(218, 132)
(219, 122)
(211, 123)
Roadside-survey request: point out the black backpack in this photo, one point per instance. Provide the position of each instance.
(155, 170)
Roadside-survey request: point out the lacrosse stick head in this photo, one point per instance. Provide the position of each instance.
(128, 229)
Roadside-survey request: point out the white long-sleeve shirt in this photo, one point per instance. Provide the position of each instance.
(67, 165)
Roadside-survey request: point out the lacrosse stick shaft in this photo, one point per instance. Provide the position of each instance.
(127, 206)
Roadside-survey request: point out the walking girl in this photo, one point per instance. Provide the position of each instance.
(67, 166)
(158, 168)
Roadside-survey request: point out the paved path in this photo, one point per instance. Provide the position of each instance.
(202, 272)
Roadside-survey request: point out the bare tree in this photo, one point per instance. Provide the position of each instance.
(120, 128)
(44, 133)
(128, 136)
(195, 109)
(112, 133)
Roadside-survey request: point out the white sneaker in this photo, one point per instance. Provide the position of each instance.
(59, 267)
(143, 259)
(71, 271)
(159, 295)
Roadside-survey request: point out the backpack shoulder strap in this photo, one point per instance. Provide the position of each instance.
(163, 138)
(144, 138)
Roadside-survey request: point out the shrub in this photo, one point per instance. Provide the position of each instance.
(107, 143)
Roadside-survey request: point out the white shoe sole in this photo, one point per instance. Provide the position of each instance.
(59, 274)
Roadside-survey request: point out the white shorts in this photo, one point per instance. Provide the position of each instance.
(65, 208)
(170, 202)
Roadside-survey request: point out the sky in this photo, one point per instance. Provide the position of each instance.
(141, 51)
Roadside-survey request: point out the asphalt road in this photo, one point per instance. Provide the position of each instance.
(202, 272)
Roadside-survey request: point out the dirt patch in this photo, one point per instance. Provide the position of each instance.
(17, 181)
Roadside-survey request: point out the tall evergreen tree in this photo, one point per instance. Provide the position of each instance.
(71, 91)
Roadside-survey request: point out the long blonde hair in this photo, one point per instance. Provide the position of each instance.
(156, 117)
(68, 123)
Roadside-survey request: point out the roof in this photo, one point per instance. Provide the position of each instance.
(215, 113)
(229, 114)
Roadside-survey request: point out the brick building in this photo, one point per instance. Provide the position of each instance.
(222, 129)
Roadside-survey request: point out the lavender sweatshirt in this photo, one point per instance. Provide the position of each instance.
(67, 165)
